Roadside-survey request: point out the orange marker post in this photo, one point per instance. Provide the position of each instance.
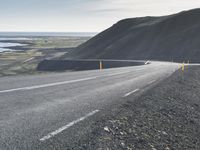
(100, 65)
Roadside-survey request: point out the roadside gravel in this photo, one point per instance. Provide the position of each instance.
(165, 117)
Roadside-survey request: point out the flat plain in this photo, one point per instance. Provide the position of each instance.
(24, 59)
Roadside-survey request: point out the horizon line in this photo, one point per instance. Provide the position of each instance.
(49, 31)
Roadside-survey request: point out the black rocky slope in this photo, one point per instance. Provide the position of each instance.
(175, 37)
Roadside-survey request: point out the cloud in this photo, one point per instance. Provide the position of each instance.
(81, 15)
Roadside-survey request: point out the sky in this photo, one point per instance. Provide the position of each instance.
(81, 15)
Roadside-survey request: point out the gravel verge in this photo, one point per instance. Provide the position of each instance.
(164, 117)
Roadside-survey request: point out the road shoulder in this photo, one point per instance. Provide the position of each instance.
(166, 116)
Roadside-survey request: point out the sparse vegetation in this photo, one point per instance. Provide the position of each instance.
(26, 58)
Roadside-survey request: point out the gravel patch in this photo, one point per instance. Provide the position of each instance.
(165, 117)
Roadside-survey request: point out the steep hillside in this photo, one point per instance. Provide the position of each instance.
(175, 37)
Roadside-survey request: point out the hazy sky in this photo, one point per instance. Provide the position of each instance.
(81, 15)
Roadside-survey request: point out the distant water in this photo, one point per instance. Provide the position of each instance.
(4, 45)
(14, 38)
(29, 34)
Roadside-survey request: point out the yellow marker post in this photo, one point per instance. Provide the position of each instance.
(183, 67)
(100, 65)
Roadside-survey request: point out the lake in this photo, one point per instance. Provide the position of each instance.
(38, 34)
(4, 45)
(14, 36)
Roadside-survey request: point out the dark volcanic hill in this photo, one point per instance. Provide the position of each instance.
(175, 37)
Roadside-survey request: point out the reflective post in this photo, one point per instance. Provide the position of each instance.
(100, 65)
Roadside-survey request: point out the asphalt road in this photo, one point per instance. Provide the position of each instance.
(51, 111)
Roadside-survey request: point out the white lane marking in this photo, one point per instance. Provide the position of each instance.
(59, 83)
(28, 60)
(54, 133)
(127, 94)
(46, 85)
(147, 62)
(151, 82)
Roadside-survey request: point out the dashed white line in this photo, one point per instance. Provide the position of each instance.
(151, 82)
(46, 85)
(28, 59)
(57, 83)
(147, 62)
(127, 94)
(54, 133)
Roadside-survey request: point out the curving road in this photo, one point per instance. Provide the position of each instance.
(53, 111)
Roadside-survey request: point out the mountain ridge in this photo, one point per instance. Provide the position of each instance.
(173, 37)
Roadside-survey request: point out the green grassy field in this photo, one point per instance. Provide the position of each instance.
(58, 42)
(26, 58)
